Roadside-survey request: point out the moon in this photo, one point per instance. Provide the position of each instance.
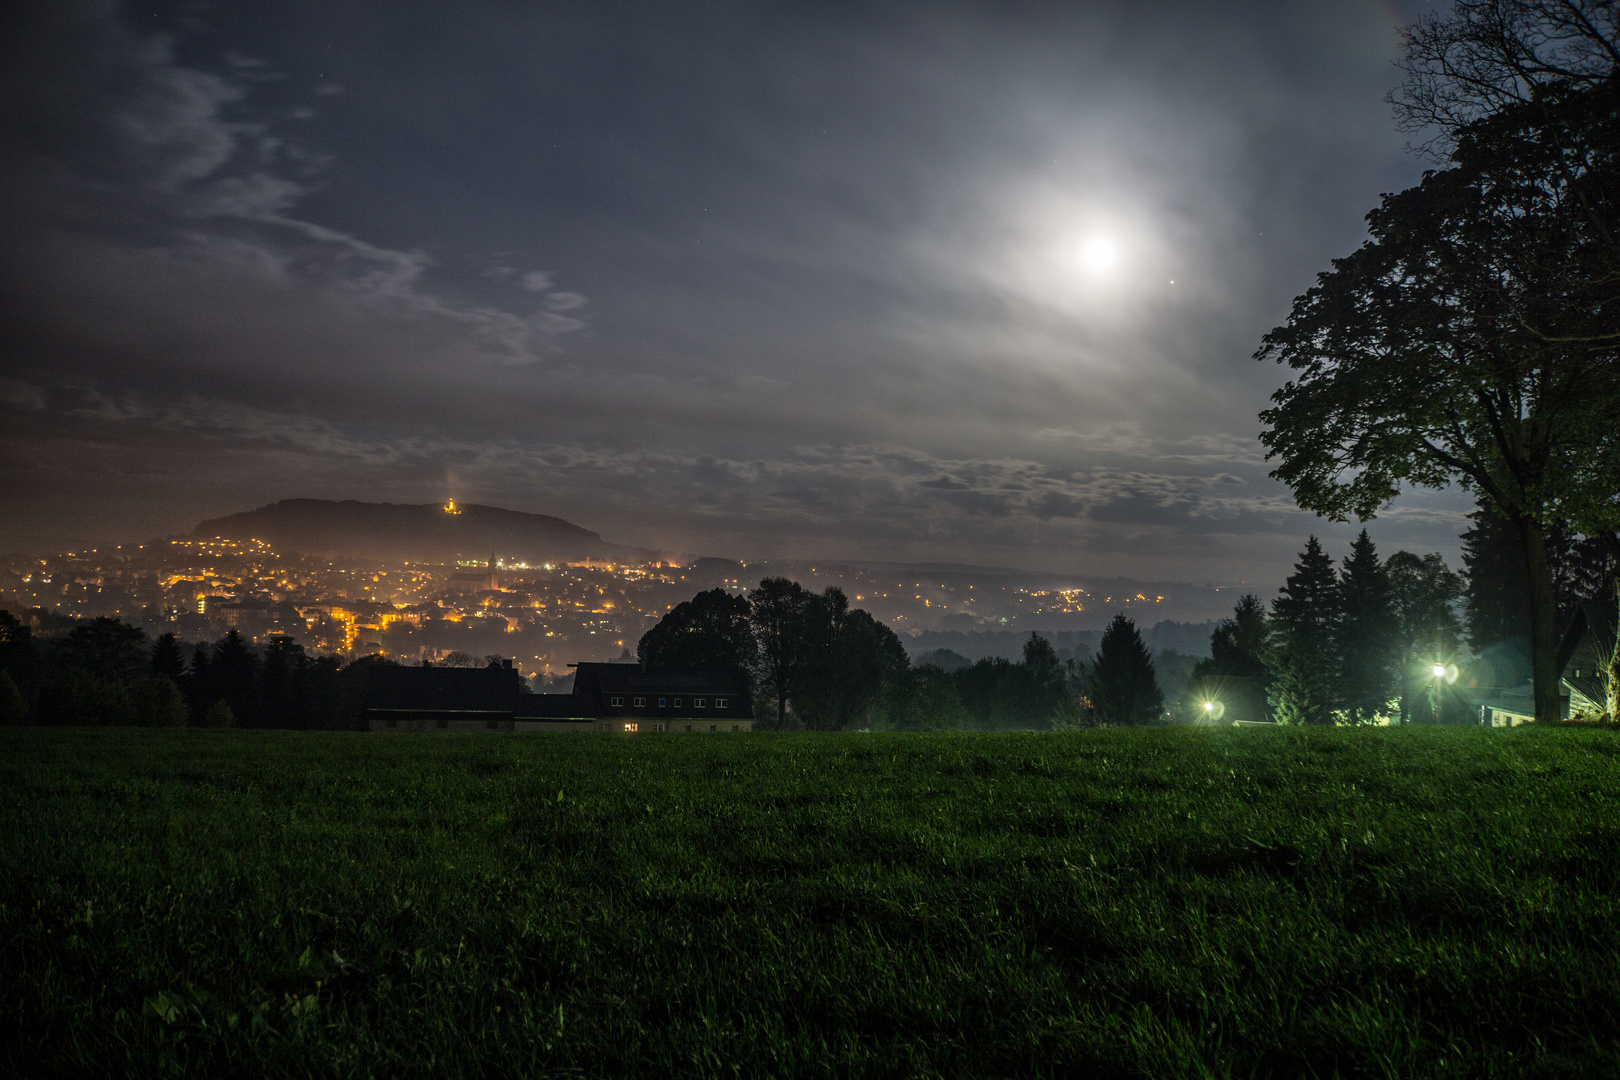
(1099, 253)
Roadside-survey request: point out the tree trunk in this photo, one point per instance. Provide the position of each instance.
(1611, 662)
(1543, 632)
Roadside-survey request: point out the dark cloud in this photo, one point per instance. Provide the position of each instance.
(716, 278)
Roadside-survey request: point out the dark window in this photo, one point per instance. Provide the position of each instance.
(719, 702)
(641, 703)
(493, 723)
(618, 701)
(677, 703)
(392, 722)
(444, 723)
(713, 728)
(697, 703)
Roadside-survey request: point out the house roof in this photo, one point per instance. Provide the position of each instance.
(635, 679)
(435, 689)
(1592, 625)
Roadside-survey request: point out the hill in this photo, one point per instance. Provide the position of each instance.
(415, 532)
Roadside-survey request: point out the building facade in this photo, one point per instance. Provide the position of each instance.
(610, 698)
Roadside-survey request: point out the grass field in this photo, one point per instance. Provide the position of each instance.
(1169, 902)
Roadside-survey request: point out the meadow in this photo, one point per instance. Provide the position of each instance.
(1158, 903)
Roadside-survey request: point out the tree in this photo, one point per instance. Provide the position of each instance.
(74, 696)
(847, 658)
(1124, 689)
(283, 692)
(1424, 594)
(13, 709)
(1471, 339)
(106, 648)
(777, 611)
(198, 685)
(167, 659)
(1237, 647)
(712, 628)
(233, 670)
(1236, 674)
(1364, 639)
(157, 702)
(19, 654)
(1487, 56)
(1303, 619)
(927, 699)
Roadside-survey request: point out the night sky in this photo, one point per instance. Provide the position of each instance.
(967, 283)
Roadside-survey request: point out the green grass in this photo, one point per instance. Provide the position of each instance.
(1430, 902)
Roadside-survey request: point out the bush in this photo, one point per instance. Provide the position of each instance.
(158, 702)
(13, 709)
(75, 698)
(219, 715)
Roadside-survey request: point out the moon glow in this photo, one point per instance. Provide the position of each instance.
(1099, 253)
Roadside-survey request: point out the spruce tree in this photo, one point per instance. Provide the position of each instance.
(1366, 643)
(1425, 595)
(1302, 625)
(167, 659)
(1124, 688)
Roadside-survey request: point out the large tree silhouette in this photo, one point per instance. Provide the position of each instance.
(712, 628)
(1124, 688)
(1473, 339)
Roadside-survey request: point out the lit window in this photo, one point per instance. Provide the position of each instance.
(663, 703)
(618, 701)
(630, 727)
(697, 703)
(719, 702)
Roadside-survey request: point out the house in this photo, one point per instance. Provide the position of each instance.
(442, 699)
(1583, 651)
(621, 698)
(631, 699)
(1583, 654)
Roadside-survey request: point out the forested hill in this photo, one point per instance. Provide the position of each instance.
(414, 532)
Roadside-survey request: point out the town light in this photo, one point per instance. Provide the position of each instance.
(1438, 671)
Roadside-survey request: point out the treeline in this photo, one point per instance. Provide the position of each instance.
(105, 671)
(1374, 641)
(815, 663)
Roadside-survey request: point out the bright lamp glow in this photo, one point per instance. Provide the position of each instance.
(1438, 671)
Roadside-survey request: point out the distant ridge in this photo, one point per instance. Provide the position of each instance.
(415, 532)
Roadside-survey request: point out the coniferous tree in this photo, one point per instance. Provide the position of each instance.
(1237, 647)
(283, 693)
(198, 685)
(1365, 644)
(1302, 624)
(167, 659)
(1425, 595)
(1124, 688)
(234, 672)
(1231, 682)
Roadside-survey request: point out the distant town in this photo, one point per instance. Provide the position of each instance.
(546, 616)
